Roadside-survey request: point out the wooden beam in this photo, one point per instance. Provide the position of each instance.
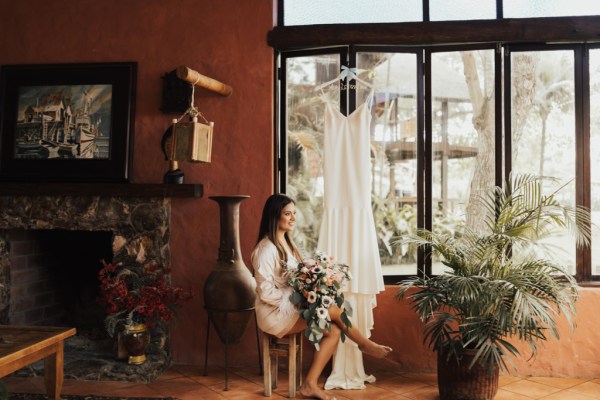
(514, 30)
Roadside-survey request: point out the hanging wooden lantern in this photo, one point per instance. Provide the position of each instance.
(192, 141)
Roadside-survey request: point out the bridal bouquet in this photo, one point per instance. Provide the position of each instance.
(317, 285)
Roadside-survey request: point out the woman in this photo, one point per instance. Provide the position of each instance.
(275, 313)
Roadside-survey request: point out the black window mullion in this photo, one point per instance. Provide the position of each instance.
(498, 114)
(281, 156)
(507, 114)
(582, 143)
(280, 14)
(427, 148)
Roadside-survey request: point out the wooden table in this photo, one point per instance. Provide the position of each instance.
(24, 345)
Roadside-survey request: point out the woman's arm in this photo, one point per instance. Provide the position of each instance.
(271, 286)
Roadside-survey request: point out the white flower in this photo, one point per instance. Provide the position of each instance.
(322, 313)
(326, 301)
(312, 297)
(317, 270)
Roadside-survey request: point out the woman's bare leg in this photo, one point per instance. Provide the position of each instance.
(365, 345)
(310, 387)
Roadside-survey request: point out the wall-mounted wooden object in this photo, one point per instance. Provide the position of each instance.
(177, 88)
(196, 78)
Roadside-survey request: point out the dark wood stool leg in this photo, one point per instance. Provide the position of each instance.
(260, 363)
(206, 346)
(226, 351)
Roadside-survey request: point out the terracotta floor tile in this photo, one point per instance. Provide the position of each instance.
(588, 388)
(384, 375)
(369, 393)
(202, 393)
(507, 379)
(210, 379)
(566, 395)
(430, 379)
(559, 383)
(401, 384)
(425, 393)
(176, 386)
(506, 395)
(239, 387)
(531, 389)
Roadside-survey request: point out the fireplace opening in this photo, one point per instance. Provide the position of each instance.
(54, 282)
(54, 278)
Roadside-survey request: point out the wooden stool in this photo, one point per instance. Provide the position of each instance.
(289, 346)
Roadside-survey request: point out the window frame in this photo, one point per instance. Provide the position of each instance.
(430, 36)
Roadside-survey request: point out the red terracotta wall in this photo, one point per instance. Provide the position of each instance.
(576, 354)
(226, 40)
(223, 39)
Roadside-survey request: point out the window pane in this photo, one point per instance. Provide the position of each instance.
(393, 149)
(311, 12)
(460, 10)
(305, 140)
(463, 152)
(595, 156)
(549, 8)
(543, 129)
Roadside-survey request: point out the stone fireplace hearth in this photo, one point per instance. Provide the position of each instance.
(138, 230)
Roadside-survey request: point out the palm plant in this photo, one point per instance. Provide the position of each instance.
(501, 284)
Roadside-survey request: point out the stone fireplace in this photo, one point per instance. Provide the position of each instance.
(46, 256)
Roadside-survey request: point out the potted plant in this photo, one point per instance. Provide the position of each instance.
(498, 285)
(138, 300)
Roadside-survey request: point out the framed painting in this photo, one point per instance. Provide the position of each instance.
(67, 122)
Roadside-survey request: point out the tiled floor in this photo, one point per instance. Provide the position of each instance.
(189, 383)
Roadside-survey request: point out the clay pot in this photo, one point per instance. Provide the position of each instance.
(229, 292)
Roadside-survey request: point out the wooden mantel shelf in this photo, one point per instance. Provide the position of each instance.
(100, 189)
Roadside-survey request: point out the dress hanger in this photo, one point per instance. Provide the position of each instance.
(347, 74)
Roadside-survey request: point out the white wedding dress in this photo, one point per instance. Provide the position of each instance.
(348, 231)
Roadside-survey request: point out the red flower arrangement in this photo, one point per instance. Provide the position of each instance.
(145, 297)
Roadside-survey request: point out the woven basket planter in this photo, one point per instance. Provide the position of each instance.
(456, 381)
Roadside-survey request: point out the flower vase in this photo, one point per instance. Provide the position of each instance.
(136, 339)
(121, 350)
(229, 291)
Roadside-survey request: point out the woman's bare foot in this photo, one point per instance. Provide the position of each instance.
(375, 350)
(314, 392)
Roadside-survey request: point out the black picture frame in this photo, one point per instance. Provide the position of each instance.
(67, 122)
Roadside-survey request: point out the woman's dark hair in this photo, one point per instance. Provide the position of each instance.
(269, 223)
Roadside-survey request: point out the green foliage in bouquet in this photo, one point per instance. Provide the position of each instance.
(317, 285)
